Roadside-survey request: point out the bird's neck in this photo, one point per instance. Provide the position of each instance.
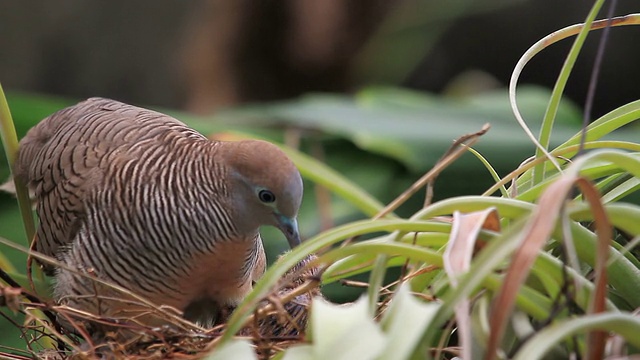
(221, 157)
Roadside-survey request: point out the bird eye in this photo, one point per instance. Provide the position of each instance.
(266, 196)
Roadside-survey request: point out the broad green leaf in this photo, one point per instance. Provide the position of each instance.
(344, 332)
(404, 322)
(414, 131)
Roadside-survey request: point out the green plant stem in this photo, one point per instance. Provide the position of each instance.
(558, 89)
(491, 170)
(321, 174)
(10, 141)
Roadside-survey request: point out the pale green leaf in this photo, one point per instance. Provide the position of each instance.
(302, 352)
(404, 322)
(235, 349)
(345, 332)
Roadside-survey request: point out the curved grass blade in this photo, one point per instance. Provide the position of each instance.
(541, 343)
(10, 141)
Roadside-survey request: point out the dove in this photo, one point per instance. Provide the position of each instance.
(138, 199)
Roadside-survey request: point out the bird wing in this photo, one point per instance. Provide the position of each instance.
(63, 158)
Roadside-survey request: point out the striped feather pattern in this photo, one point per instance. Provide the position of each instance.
(137, 198)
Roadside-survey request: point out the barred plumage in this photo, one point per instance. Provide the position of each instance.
(139, 199)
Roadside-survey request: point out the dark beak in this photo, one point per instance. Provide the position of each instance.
(289, 228)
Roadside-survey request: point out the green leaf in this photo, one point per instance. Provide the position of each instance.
(404, 322)
(344, 331)
(301, 352)
(236, 349)
(408, 126)
(542, 342)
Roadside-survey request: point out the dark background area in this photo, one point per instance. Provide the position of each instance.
(201, 55)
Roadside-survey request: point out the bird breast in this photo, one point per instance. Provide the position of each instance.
(226, 274)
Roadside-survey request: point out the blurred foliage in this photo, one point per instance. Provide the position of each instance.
(408, 34)
(411, 127)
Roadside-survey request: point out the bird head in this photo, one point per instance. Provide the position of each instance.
(267, 187)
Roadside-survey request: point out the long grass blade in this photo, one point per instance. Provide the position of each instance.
(10, 141)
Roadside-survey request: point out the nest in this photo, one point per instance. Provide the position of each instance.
(60, 332)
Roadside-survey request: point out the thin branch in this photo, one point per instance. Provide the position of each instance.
(593, 81)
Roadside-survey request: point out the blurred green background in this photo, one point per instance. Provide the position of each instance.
(376, 89)
(204, 54)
